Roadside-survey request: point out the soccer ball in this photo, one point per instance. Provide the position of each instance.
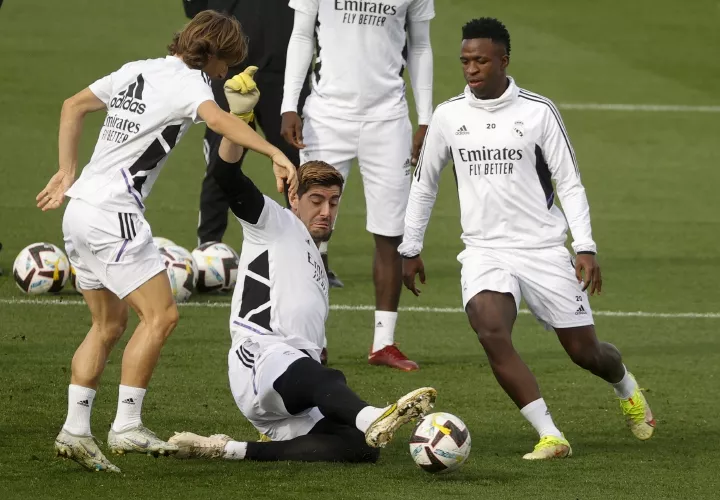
(181, 270)
(40, 268)
(162, 242)
(440, 443)
(217, 264)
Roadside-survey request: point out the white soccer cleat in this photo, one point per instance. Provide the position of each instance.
(414, 404)
(139, 440)
(83, 450)
(192, 445)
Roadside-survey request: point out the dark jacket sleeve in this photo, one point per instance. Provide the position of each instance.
(193, 7)
(245, 199)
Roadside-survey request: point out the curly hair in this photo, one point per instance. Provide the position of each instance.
(487, 27)
(318, 173)
(210, 33)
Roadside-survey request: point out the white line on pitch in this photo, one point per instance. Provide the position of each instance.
(345, 307)
(661, 108)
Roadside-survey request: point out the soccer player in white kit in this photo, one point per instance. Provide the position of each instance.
(150, 105)
(357, 109)
(508, 146)
(277, 328)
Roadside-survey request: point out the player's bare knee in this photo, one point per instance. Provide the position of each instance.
(110, 329)
(585, 355)
(493, 336)
(164, 321)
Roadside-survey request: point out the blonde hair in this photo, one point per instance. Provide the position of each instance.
(210, 33)
(318, 173)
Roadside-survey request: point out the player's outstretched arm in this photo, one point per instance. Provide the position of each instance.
(420, 67)
(73, 112)
(237, 131)
(562, 163)
(245, 199)
(433, 158)
(299, 56)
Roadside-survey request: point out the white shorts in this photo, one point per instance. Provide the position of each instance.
(545, 278)
(253, 368)
(383, 150)
(109, 249)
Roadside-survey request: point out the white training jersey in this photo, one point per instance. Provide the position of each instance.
(360, 56)
(151, 104)
(282, 289)
(506, 153)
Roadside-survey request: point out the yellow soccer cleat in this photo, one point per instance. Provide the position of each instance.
(638, 415)
(550, 447)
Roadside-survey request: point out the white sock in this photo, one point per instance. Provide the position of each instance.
(323, 247)
(130, 400)
(367, 416)
(626, 387)
(80, 401)
(235, 450)
(384, 329)
(538, 415)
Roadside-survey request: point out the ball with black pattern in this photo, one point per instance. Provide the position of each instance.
(440, 443)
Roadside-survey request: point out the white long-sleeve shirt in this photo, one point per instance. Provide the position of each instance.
(362, 50)
(506, 153)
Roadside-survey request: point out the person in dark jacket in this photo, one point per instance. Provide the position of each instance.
(268, 25)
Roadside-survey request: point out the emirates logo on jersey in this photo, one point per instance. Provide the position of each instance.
(365, 13)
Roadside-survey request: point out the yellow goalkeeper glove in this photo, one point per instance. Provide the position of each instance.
(242, 94)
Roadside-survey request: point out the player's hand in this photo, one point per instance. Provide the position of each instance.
(242, 94)
(418, 140)
(587, 269)
(291, 129)
(411, 268)
(285, 172)
(53, 195)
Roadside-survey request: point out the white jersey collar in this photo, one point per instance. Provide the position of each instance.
(507, 98)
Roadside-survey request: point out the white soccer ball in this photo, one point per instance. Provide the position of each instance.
(181, 270)
(41, 268)
(162, 242)
(440, 443)
(217, 265)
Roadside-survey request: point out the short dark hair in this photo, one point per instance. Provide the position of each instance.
(318, 173)
(487, 27)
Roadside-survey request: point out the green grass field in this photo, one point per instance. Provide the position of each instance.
(651, 179)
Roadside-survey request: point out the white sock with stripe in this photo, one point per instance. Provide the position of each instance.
(384, 329)
(626, 387)
(538, 415)
(130, 400)
(80, 401)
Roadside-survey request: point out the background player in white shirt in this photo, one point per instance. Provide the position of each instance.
(150, 105)
(508, 145)
(277, 327)
(357, 109)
